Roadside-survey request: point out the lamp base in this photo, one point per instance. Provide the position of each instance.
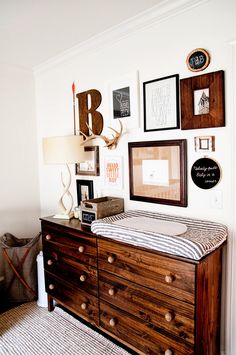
(64, 216)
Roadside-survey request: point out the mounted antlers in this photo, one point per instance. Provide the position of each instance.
(111, 143)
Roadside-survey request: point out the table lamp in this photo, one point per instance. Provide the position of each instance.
(64, 150)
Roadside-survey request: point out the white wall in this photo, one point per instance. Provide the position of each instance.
(155, 51)
(19, 185)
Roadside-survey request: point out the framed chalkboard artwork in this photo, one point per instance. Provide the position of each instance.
(206, 173)
(123, 99)
(161, 103)
(198, 60)
(202, 101)
(121, 102)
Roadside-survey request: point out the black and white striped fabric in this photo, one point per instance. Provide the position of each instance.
(200, 238)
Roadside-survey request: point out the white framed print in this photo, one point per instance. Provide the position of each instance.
(113, 175)
(123, 94)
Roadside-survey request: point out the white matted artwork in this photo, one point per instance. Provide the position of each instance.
(123, 94)
(113, 172)
(155, 172)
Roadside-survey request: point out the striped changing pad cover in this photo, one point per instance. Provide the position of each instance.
(198, 239)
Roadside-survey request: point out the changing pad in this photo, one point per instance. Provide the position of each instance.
(186, 237)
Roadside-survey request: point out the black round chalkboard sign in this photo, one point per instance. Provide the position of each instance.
(205, 173)
(198, 59)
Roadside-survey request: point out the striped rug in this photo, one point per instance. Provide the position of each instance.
(32, 330)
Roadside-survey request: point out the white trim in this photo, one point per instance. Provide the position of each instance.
(155, 14)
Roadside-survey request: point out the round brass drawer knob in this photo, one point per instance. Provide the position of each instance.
(81, 249)
(168, 316)
(112, 322)
(82, 278)
(169, 279)
(84, 306)
(111, 259)
(111, 291)
(48, 237)
(50, 262)
(51, 287)
(168, 352)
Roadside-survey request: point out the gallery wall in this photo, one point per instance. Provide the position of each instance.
(153, 51)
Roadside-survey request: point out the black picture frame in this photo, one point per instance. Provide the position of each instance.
(161, 103)
(84, 187)
(158, 172)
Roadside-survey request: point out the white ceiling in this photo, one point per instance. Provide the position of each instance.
(33, 31)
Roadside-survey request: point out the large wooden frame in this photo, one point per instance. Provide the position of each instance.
(158, 172)
(212, 86)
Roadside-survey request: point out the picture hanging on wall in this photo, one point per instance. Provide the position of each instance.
(204, 144)
(202, 101)
(198, 59)
(206, 173)
(84, 190)
(161, 103)
(113, 172)
(91, 165)
(157, 172)
(123, 95)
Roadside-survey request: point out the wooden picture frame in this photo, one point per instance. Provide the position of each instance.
(161, 103)
(84, 190)
(198, 59)
(158, 172)
(202, 101)
(89, 167)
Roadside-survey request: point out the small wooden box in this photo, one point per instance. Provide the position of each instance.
(100, 207)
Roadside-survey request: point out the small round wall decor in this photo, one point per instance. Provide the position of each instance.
(198, 59)
(205, 173)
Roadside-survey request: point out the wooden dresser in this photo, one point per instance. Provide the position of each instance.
(152, 302)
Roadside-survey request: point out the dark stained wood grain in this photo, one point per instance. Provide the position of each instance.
(150, 301)
(73, 298)
(149, 305)
(208, 304)
(149, 271)
(143, 336)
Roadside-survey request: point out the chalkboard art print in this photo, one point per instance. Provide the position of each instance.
(205, 173)
(121, 102)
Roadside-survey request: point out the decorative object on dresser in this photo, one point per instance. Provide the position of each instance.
(161, 103)
(158, 172)
(64, 150)
(100, 207)
(153, 301)
(84, 190)
(198, 59)
(202, 101)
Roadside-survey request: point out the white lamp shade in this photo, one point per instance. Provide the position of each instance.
(63, 150)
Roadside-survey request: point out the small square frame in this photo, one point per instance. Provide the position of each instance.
(204, 144)
(216, 114)
(84, 190)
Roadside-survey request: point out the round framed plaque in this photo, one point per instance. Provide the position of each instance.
(198, 59)
(205, 173)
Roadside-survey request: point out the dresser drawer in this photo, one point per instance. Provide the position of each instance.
(141, 335)
(70, 270)
(81, 246)
(165, 274)
(75, 299)
(174, 316)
